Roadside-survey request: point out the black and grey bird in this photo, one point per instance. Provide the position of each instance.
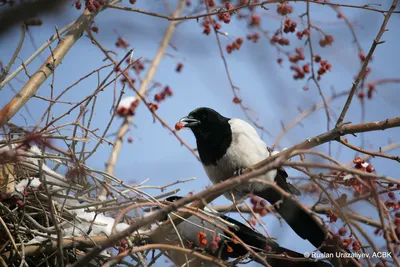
(228, 146)
(220, 243)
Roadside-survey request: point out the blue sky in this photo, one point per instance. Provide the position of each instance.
(265, 86)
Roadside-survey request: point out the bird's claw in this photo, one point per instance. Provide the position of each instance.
(239, 172)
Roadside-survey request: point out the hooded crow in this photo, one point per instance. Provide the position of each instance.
(229, 146)
(210, 238)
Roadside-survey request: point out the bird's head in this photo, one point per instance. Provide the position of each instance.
(204, 120)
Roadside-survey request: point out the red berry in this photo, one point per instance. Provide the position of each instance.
(263, 212)
(91, 8)
(254, 200)
(228, 6)
(342, 231)
(392, 195)
(369, 168)
(78, 5)
(20, 203)
(179, 67)
(226, 18)
(237, 100)
(299, 35)
(362, 56)
(179, 126)
(95, 29)
(168, 91)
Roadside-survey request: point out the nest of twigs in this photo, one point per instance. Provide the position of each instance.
(51, 207)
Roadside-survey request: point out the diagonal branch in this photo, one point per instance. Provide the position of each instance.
(361, 74)
(142, 91)
(36, 80)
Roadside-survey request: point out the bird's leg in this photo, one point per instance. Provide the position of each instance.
(239, 172)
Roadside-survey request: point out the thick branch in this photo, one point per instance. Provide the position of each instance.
(142, 91)
(36, 80)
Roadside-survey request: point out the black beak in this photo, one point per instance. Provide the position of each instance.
(189, 121)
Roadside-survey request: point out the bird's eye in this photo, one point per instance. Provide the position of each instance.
(204, 116)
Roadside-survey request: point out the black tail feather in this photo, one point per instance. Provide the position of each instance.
(306, 225)
(260, 244)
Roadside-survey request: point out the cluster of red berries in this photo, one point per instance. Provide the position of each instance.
(122, 111)
(235, 45)
(121, 43)
(163, 94)
(289, 26)
(179, 67)
(333, 216)
(328, 40)
(202, 238)
(298, 56)
(282, 41)
(153, 107)
(33, 22)
(300, 72)
(360, 189)
(253, 37)
(323, 68)
(284, 9)
(206, 25)
(91, 5)
(225, 17)
(346, 242)
(259, 205)
(362, 165)
(300, 34)
(254, 20)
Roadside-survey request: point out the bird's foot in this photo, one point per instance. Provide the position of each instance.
(239, 172)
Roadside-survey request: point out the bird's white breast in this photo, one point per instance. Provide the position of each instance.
(246, 149)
